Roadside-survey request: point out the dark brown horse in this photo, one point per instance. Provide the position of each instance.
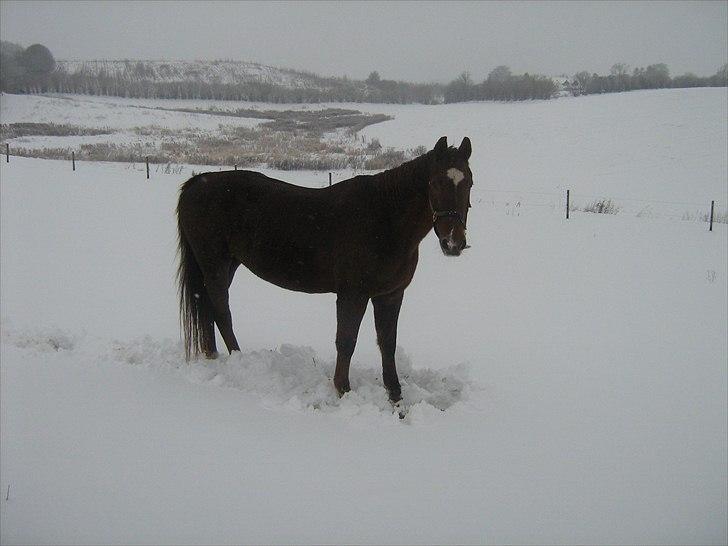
(358, 238)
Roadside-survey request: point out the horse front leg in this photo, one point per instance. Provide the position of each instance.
(349, 312)
(386, 315)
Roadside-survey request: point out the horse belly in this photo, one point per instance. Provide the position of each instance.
(297, 270)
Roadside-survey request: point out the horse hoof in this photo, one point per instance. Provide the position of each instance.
(341, 391)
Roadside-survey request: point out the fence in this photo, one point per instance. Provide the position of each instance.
(517, 202)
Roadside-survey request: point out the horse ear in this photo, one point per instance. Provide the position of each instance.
(441, 147)
(465, 148)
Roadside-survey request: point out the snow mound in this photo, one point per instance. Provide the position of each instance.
(296, 378)
(44, 340)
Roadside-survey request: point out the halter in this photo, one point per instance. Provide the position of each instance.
(436, 215)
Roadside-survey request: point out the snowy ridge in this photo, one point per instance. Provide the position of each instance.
(222, 72)
(290, 376)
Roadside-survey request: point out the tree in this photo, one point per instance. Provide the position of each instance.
(619, 69)
(12, 74)
(460, 89)
(582, 79)
(720, 79)
(38, 60)
(500, 73)
(373, 78)
(657, 76)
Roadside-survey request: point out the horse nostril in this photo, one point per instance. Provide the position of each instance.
(443, 242)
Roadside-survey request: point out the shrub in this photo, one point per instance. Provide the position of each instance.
(602, 206)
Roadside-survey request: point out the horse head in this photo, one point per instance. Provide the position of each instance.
(449, 186)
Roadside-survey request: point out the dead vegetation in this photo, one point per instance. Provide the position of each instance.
(16, 130)
(291, 140)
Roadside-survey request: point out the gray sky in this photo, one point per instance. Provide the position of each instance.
(402, 40)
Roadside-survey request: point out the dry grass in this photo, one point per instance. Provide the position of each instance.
(719, 217)
(314, 121)
(602, 206)
(242, 146)
(291, 140)
(15, 130)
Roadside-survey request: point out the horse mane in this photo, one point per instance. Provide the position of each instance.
(399, 181)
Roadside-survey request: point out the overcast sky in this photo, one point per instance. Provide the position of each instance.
(411, 41)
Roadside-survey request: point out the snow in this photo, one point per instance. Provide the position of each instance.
(113, 112)
(564, 381)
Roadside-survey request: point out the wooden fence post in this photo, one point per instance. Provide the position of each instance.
(7, 153)
(567, 204)
(329, 179)
(236, 167)
(147, 160)
(712, 207)
(73, 160)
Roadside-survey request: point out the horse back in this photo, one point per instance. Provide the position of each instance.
(305, 239)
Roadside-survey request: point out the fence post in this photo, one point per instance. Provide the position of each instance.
(147, 160)
(236, 167)
(567, 204)
(73, 160)
(329, 179)
(712, 207)
(7, 153)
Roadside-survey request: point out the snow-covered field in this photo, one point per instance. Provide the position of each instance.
(566, 380)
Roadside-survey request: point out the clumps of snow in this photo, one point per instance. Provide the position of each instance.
(295, 378)
(44, 340)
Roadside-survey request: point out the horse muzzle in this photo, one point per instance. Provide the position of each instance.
(450, 247)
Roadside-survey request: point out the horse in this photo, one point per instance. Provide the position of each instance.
(358, 239)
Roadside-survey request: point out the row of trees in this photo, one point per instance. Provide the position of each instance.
(500, 85)
(654, 76)
(325, 89)
(34, 70)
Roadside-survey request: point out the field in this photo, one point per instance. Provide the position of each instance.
(565, 380)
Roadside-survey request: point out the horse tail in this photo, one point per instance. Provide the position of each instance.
(195, 308)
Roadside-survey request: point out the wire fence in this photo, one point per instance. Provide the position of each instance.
(518, 202)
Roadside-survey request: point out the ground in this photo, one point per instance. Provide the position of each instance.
(565, 380)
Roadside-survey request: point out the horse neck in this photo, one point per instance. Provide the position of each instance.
(404, 195)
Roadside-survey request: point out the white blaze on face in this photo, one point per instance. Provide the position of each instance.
(456, 175)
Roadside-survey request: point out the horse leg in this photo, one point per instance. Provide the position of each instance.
(386, 314)
(217, 283)
(349, 312)
(209, 326)
(210, 348)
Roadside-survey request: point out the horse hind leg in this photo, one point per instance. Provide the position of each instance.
(208, 344)
(217, 283)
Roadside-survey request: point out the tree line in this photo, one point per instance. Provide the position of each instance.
(500, 85)
(654, 76)
(34, 70)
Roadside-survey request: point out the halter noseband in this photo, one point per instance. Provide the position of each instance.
(436, 215)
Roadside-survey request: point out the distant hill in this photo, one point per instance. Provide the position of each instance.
(213, 72)
(226, 80)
